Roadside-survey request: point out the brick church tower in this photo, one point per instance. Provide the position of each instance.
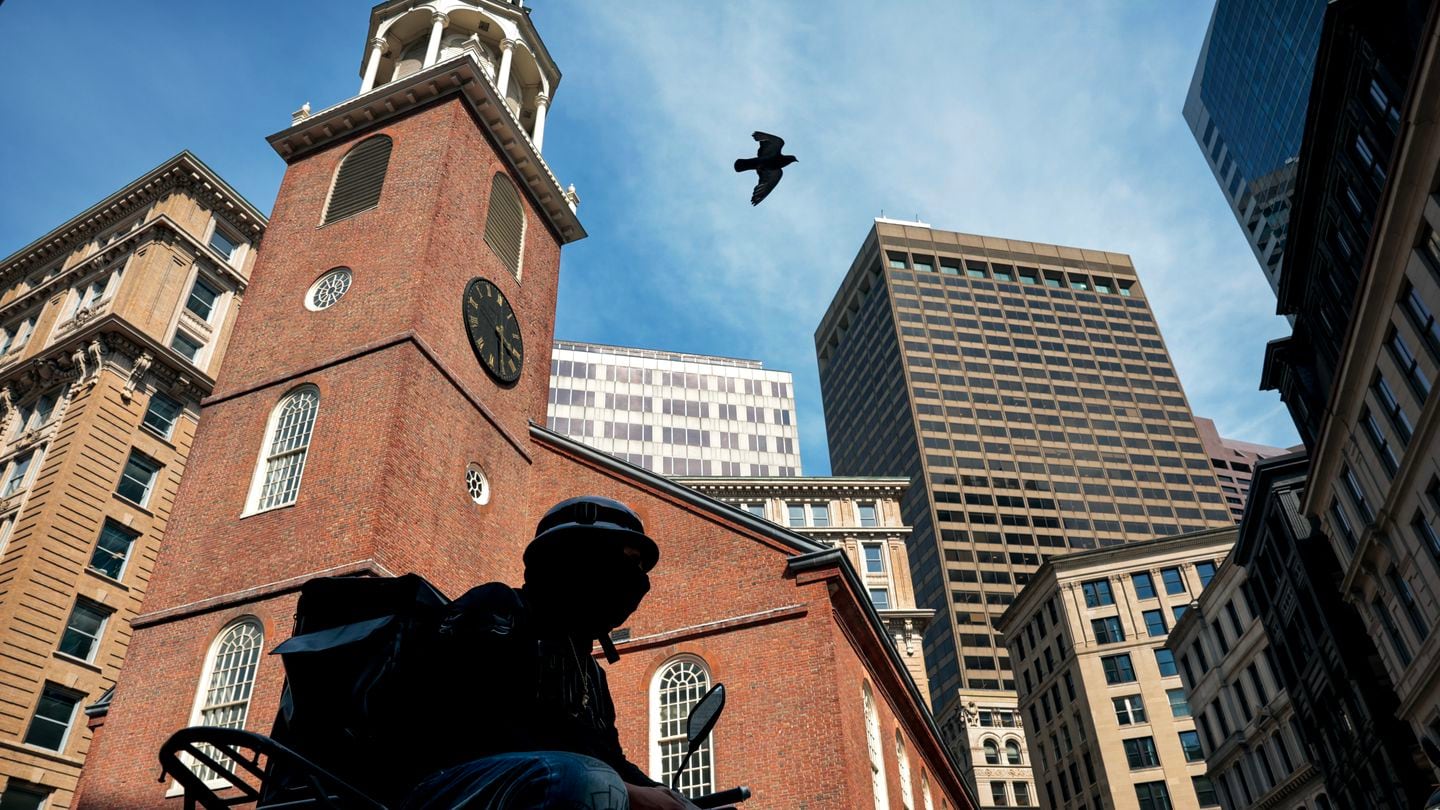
(373, 415)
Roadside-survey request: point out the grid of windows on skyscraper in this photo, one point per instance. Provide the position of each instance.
(1034, 399)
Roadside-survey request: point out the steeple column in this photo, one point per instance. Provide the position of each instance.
(502, 78)
(372, 66)
(438, 22)
(542, 102)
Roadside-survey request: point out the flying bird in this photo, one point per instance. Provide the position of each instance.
(767, 163)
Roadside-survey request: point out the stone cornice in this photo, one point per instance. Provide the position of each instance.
(182, 171)
(462, 76)
(162, 229)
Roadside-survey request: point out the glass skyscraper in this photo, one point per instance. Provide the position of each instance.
(1246, 107)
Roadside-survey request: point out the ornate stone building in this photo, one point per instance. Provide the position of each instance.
(112, 327)
(860, 516)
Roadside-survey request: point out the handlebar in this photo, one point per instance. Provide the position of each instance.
(722, 798)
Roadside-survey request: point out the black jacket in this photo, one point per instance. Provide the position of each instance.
(510, 690)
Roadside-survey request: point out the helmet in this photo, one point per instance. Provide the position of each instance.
(588, 519)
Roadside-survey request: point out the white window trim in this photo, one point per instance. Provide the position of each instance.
(242, 245)
(257, 476)
(657, 764)
(875, 747)
(197, 704)
(902, 759)
(149, 490)
(222, 296)
(69, 724)
(98, 607)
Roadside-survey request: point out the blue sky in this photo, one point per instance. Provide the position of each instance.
(1041, 121)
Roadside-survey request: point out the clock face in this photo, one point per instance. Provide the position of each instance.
(494, 332)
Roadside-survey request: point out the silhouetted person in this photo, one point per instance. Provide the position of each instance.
(527, 720)
(767, 164)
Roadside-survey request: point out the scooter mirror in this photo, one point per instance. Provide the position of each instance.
(702, 719)
(705, 714)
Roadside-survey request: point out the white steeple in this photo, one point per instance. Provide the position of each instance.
(407, 36)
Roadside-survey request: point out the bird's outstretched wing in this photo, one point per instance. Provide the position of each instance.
(770, 145)
(769, 178)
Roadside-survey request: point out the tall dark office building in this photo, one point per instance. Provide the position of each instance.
(1246, 106)
(1027, 393)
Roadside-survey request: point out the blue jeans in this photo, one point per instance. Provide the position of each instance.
(520, 781)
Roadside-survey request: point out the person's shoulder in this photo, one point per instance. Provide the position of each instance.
(493, 606)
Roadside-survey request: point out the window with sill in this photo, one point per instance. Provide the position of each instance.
(21, 796)
(678, 686)
(874, 558)
(225, 243)
(186, 346)
(112, 549)
(227, 681)
(83, 630)
(54, 715)
(202, 298)
(19, 471)
(1129, 709)
(138, 478)
(286, 445)
(161, 415)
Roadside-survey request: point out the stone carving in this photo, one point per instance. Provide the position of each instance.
(96, 351)
(77, 359)
(138, 368)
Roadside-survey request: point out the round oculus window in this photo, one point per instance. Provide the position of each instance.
(328, 289)
(477, 484)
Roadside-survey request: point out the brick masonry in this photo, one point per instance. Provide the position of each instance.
(404, 407)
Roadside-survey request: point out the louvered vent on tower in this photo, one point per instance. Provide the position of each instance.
(361, 176)
(505, 223)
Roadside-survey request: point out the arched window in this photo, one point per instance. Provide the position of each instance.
(1012, 752)
(992, 752)
(907, 793)
(359, 179)
(929, 803)
(876, 748)
(505, 223)
(679, 685)
(228, 679)
(287, 442)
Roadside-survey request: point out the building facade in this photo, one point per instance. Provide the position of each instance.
(1344, 706)
(1246, 108)
(858, 515)
(1026, 392)
(1234, 463)
(1255, 754)
(400, 432)
(1375, 461)
(1101, 693)
(112, 328)
(675, 413)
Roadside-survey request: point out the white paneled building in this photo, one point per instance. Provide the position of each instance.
(675, 413)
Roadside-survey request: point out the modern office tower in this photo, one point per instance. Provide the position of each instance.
(1255, 753)
(1026, 392)
(1234, 462)
(859, 515)
(1345, 707)
(675, 413)
(1359, 370)
(1100, 693)
(1246, 107)
(112, 327)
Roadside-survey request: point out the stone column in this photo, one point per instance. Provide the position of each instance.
(542, 101)
(502, 79)
(372, 67)
(437, 27)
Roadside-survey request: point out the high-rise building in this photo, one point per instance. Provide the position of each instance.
(1026, 392)
(1100, 693)
(379, 413)
(675, 413)
(1234, 462)
(112, 328)
(1246, 107)
(859, 515)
